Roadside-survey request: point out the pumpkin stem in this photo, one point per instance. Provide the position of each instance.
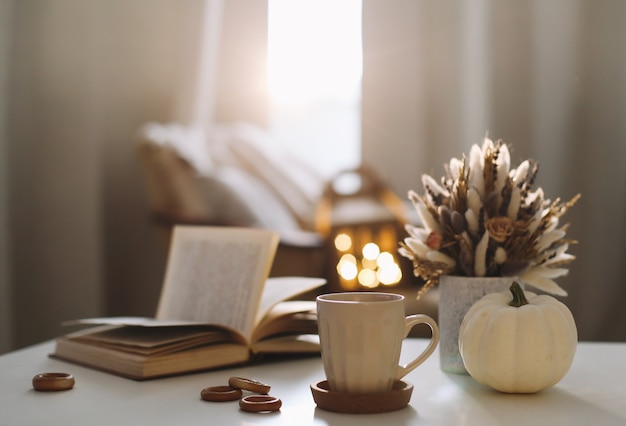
(519, 299)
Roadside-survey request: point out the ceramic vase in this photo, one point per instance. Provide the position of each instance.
(456, 295)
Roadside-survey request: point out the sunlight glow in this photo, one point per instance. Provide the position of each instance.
(314, 50)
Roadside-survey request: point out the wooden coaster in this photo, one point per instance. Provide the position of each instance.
(362, 403)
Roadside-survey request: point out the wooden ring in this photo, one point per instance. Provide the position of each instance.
(52, 382)
(260, 403)
(220, 394)
(249, 385)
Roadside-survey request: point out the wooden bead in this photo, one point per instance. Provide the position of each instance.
(52, 382)
(260, 403)
(249, 385)
(220, 394)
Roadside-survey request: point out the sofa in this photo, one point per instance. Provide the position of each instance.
(238, 175)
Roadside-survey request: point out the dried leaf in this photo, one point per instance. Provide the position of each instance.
(480, 192)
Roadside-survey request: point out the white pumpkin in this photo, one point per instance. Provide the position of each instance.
(522, 345)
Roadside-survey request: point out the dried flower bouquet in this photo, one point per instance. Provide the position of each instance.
(484, 219)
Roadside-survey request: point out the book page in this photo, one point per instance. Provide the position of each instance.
(289, 317)
(156, 340)
(303, 343)
(278, 289)
(215, 275)
(131, 321)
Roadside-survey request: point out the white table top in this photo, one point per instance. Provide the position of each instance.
(592, 393)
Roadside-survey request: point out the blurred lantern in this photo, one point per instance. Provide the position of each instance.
(363, 223)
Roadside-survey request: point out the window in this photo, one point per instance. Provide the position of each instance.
(314, 79)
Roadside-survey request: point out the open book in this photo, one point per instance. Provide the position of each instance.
(217, 308)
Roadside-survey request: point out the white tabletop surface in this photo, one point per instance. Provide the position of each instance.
(592, 393)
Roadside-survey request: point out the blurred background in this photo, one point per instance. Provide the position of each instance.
(400, 85)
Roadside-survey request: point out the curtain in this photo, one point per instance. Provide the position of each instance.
(6, 331)
(78, 78)
(549, 78)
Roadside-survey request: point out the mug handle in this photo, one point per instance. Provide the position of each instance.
(410, 322)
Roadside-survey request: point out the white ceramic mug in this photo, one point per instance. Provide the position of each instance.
(361, 334)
